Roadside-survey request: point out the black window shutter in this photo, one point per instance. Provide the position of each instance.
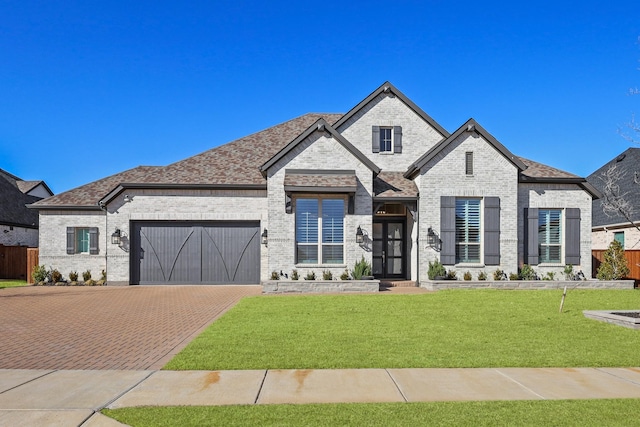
(375, 139)
(93, 241)
(531, 236)
(397, 139)
(492, 231)
(572, 236)
(448, 230)
(71, 240)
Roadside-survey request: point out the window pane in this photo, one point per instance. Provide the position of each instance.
(385, 139)
(467, 230)
(332, 220)
(307, 254)
(82, 240)
(550, 235)
(307, 221)
(332, 254)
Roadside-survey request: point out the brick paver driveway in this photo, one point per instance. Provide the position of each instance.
(132, 327)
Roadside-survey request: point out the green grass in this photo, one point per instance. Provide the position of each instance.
(12, 283)
(619, 412)
(469, 328)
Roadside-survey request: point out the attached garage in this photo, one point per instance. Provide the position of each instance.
(195, 253)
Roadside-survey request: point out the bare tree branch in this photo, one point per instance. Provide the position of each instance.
(614, 202)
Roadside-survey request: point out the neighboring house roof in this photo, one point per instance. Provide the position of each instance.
(320, 126)
(470, 126)
(627, 164)
(13, 210)
(389, 88)
(27, 186)
(393, 185)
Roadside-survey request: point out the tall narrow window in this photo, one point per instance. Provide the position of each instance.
(468, 163)
(619, 236)
(385, 140)
(550, 235)
(307, 231)
(319, 231)
(82, 240)
(467, 230)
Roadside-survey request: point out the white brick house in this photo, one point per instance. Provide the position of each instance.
(295, 195)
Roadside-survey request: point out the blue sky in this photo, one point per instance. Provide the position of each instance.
(91, 88)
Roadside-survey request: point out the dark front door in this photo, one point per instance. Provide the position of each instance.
(389, 248)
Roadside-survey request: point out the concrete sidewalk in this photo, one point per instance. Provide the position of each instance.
(73, 398)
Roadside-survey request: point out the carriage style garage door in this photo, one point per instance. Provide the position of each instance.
(195, 253)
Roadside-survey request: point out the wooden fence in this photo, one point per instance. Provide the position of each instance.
(13, 262)
(633, 260)
(33, 258)
(16, 262)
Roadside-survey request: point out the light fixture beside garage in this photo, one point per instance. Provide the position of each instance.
(116, 237)
(264, 237)
(359, 235)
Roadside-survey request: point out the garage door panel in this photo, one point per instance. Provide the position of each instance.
(188, 252)
(231, 253)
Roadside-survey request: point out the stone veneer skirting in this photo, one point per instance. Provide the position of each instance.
(319, 286)
(434, 285)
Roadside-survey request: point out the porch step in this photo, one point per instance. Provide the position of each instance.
(398, 283)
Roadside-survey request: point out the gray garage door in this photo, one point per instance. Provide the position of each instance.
(195, 253)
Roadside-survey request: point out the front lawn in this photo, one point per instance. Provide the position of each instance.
(12, 283)
(622, 412)
(468, 328)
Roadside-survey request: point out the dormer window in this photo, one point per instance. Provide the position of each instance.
(386, 139)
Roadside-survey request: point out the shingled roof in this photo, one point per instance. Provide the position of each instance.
(13, 201)
(235, 163)
(628, 165)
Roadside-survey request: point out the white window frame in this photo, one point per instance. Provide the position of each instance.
(384, 141)
(545, 214)
(460, 244)
(319, 244)
(80, 240)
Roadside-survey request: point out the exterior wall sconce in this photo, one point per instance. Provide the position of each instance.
(359, 235)
(116, 237)
(264, 237)
(433, 240)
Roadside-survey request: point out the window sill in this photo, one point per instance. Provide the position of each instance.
(551, 264)
(470, 265)
(321, 266)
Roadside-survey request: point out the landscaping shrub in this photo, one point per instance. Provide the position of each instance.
(436, 269)
(467, 275)
(499, 275)
(56, 276)
(482, 276)
(73, 276)
(527, 273)
(345, 275)
(86, 275)
(294, 275)
(614, 265)
(275, 275)
(327, 275)
(361, 268)
(39, 273)
(451, 275)
(310, 276)
(513, 276)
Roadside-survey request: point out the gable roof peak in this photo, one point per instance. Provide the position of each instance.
(390, 89)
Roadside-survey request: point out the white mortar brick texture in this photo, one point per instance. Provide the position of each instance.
(602, 239)
(388, 110)
(53, 242)
(316, 152)
(557, 196)
(493, 176)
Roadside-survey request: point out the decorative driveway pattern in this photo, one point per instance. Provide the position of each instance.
(129, 327)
